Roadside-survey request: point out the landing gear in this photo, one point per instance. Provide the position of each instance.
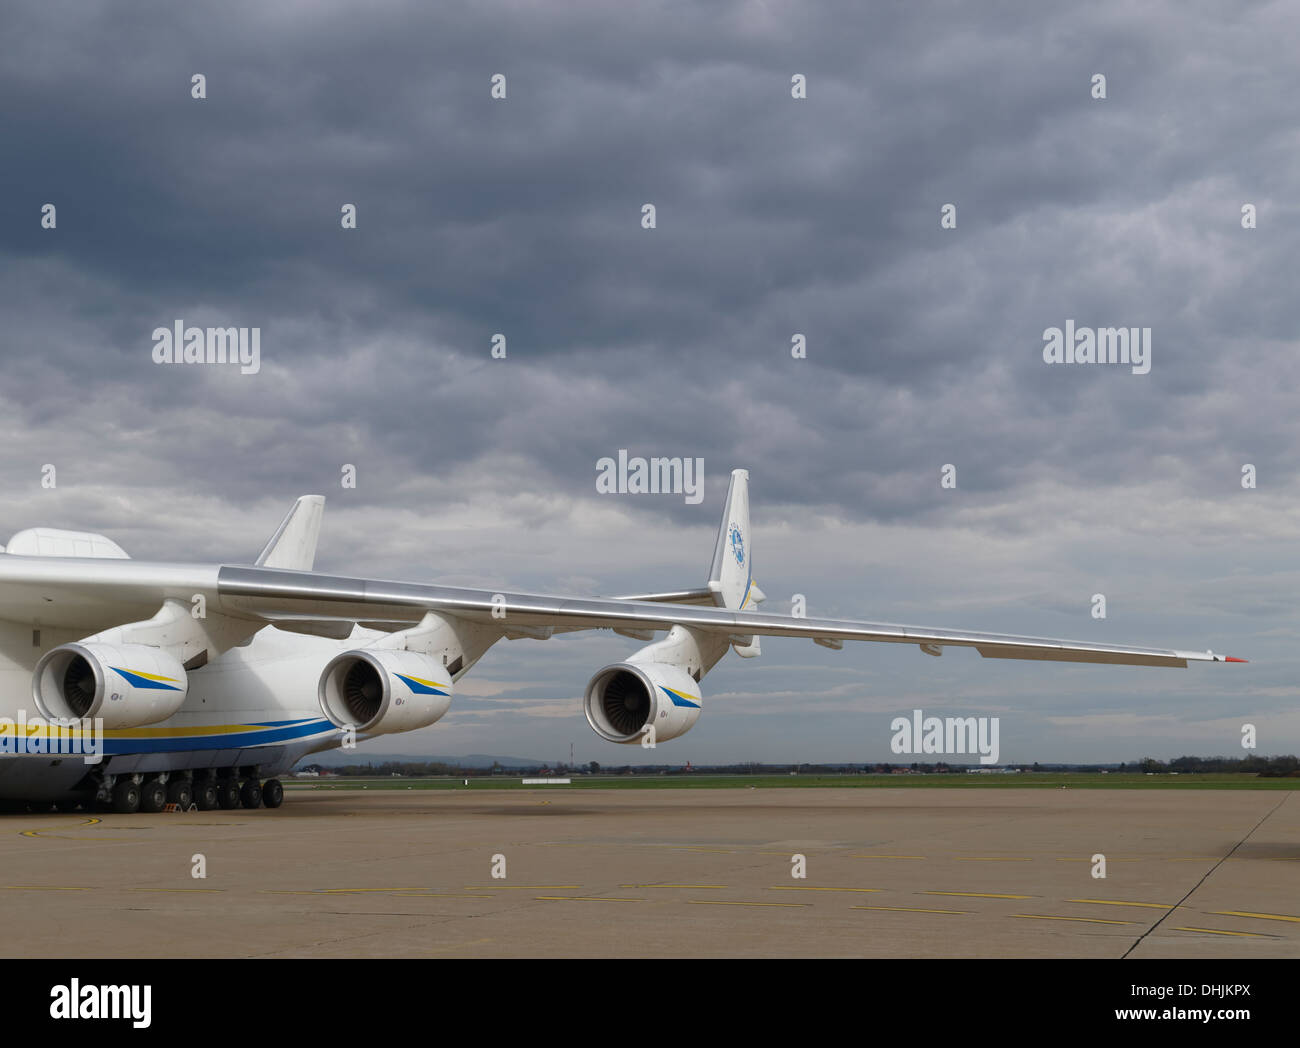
(250, 794)
(181, 793)
(126, 797)
(153, 796)
(205, 794)
(228, 793)
(272, 793)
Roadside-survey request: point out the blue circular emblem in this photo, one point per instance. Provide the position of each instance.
(738, 544)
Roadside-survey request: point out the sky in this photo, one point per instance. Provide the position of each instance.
(774, 216)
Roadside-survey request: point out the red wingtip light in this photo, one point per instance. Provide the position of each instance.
(1229, 658)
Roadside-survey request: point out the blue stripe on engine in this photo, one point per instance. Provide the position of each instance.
(679, 700)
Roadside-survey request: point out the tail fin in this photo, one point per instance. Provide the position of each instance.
(731, 578)
(293, 545)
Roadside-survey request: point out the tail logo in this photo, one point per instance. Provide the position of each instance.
(738, 544)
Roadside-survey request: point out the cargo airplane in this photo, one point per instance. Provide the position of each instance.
(200, 684)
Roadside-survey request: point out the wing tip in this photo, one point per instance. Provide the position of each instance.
(1229, 658)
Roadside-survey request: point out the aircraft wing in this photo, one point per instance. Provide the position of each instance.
(274, 595)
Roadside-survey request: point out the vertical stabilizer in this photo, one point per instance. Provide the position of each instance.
(293, 545)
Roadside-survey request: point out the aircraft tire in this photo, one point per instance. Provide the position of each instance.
(250, 794)
(181, 792)
(126, 797)
(153, 796)
(228, 793)
(272, 793)
(205, 795)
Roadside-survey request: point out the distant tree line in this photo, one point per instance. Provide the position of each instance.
(1265, 767)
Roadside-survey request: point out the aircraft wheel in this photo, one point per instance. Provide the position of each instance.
(228, 793)
(153, 796)
(205, 794)
(181, 792)
(250, 794)
(126, 797)
(272, 793)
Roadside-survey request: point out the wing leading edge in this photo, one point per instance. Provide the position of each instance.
(276, 595)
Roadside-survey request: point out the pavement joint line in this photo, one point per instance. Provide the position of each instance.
(1206, 876)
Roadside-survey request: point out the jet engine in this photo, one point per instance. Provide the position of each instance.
(126, 685)
(624, 699)
(383, 690)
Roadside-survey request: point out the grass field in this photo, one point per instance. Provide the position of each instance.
(1034, 780)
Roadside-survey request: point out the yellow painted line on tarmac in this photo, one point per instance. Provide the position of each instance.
(401, 892)
(583, 898)
(1260, 916)
(801, 888)
(993, 858)
(720, 851)
(720, 902)
(442, 895)
(1219, 931)
(523, 888)
(864, 855)
(1081, 920)
(176, 890)
(697, 887)
(908, 909)
(287, 891)
(42, 888)
(1117, 902)
(1089, 860)
(979, 895)
(92, 821)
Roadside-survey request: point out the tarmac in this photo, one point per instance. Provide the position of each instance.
(552, 872)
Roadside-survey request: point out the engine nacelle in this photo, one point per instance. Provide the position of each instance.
(383, 690)
(126, 685)
(623, 699)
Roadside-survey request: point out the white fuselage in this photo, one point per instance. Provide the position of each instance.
(256, 705)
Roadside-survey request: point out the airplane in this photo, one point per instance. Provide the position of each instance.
(197, 685)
